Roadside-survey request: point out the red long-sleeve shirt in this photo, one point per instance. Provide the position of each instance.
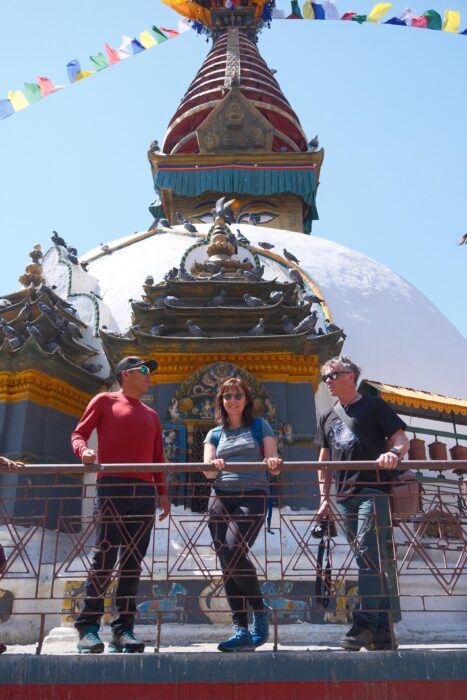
(128, 432)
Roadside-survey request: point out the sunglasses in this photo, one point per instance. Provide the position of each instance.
(142, 370)
(332, 375)
(236, 396)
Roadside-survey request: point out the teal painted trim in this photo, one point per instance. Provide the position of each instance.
(439, 433)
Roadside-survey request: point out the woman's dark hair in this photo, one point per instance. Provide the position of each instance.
(222, 416)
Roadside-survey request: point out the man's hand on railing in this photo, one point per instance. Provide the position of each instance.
(88, 456)
(388, 460)
(164, 506)
(12, 465)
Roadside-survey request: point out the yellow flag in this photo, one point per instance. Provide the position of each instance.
(307, 10)
(452, 21)
(190, 10)
(18, 100)
(147, 40)
(83, 74)
(378, 11)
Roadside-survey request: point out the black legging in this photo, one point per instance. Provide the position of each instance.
(235, 519)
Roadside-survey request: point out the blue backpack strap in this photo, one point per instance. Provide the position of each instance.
(257, 431)
(216, 435)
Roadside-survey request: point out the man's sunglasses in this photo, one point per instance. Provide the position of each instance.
(333, 375)
(142, 369)
(229, 397)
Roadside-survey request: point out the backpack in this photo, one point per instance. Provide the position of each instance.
(256, 430)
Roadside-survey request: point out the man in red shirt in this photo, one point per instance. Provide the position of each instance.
(128, 432)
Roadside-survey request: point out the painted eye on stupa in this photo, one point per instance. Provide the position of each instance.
(261, 211)
(202, 212)
(206, 218)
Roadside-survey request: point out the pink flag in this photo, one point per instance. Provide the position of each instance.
(171, 33)
(112, 55)
(419, 22)
(47, 86)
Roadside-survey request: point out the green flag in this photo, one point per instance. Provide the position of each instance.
(359, 18)
(32, 92)
(433, 20)
(99, 61)
(296, 10)
(160, 36)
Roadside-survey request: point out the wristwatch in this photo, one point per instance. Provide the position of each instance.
(395, 451)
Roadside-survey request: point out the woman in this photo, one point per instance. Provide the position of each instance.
(237, 506)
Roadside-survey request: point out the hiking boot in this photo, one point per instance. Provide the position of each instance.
(89, 641)
(382, 641)
(260, 629)
(241, 640)
(2, 647)
(126, 642)
(356, 639)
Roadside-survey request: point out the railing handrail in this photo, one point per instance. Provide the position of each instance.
(174, 467)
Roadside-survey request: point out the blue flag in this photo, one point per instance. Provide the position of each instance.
(136, 46)
(73, 68)
(6, 109)
(319, 11)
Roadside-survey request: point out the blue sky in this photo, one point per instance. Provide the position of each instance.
(388, 103)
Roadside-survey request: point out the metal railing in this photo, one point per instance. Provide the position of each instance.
(47, 530)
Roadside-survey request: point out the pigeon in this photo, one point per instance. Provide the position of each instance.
(258, 329)
(171, 274)
(273, 71)
(247, 274)
(219, 275)
(72, 255)
(7, 329)
(211, 267)
(159, 329)
(165, 223)
(139, 304)
(217, 300)
(154, 225)
(71, 327)
(266, 245)
(51, 345)
(196, 330)
(32, 330)
(296, 277)
(243, 239)
(308, 324)
(312, 298)
(45, 308)
(253, 301)
(172, 301)
(91, 367)
(222, 207)
(14, 342)
(290, 256)
(332, 328)
(254, 219)
(276, 297)
(184, 275)
(26, 311)
(287, 324)
(233, 241)
(313, 145)
(57, 240)
(179, 218)
(4, 303)
(191, 228)
(462, 240)
(149, 280)
(159, 302)
(154, 146)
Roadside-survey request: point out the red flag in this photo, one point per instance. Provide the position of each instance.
(348, 15)
(171, 33)
(419, 22)
(46, 85)
(112, 55)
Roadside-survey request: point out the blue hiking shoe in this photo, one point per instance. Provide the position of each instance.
(241, 640)
(260, 629)
(89, 641)
(126, 642)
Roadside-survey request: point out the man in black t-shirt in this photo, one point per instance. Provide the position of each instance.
(367, 429)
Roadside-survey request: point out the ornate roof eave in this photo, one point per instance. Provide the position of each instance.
(31, 356)
(322, 346)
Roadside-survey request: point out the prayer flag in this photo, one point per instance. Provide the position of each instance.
(296, 14)
(330, 9)
(47, 86)
(348, 16)
(396, 20)
(318, 11)
(160, 37)
(359, 18)
(278, 14)
(407, 15)
(183, 25)
(73, 68)
(136, 46)
(307, 10)
(83, 74)
(147, 39)
(433, 19)
(99, 61)
(18, 100)
(33, 92)
(378, 11)
(420, 22)
(171, 33)
(6, 109)
(125, 50)
(452, 21)
(112, 54)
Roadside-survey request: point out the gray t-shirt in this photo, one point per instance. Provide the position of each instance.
(239, 445)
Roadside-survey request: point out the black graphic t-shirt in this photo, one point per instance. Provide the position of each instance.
(378, 422)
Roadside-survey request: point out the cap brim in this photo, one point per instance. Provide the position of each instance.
(150, 364)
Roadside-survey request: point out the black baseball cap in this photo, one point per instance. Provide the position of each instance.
(131, 362)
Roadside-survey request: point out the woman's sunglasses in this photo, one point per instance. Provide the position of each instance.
(229, 397)
(142, 369)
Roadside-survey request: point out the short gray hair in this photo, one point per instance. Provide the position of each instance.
(346, 363)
